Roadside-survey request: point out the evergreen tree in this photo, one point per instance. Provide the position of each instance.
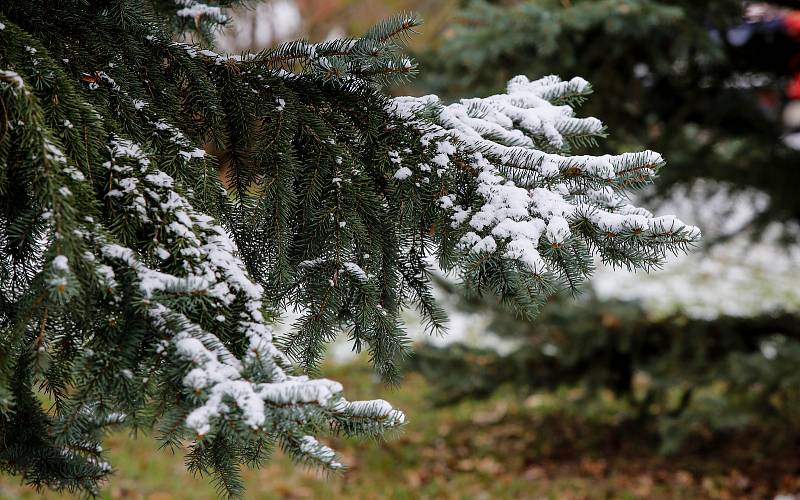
(698, 379)
(137, 287)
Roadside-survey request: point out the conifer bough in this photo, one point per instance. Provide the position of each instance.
(137, 288)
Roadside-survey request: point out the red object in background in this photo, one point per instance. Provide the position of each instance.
(793, 88)
(792, 23)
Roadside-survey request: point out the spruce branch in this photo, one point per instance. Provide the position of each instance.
(140, 275)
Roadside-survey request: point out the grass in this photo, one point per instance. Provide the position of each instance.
(498, 448)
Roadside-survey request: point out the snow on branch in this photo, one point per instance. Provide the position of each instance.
(257, 383)
(534, 192)
(195, 10)
(372, 57)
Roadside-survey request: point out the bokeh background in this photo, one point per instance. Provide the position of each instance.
(681, 383)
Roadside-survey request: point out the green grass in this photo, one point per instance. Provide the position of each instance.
(540, 447)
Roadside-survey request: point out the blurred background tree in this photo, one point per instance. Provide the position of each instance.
(267, 23)
(715, 86)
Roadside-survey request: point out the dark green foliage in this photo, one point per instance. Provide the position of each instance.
(692, 378)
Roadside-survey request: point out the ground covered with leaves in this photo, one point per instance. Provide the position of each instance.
(542, 446)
